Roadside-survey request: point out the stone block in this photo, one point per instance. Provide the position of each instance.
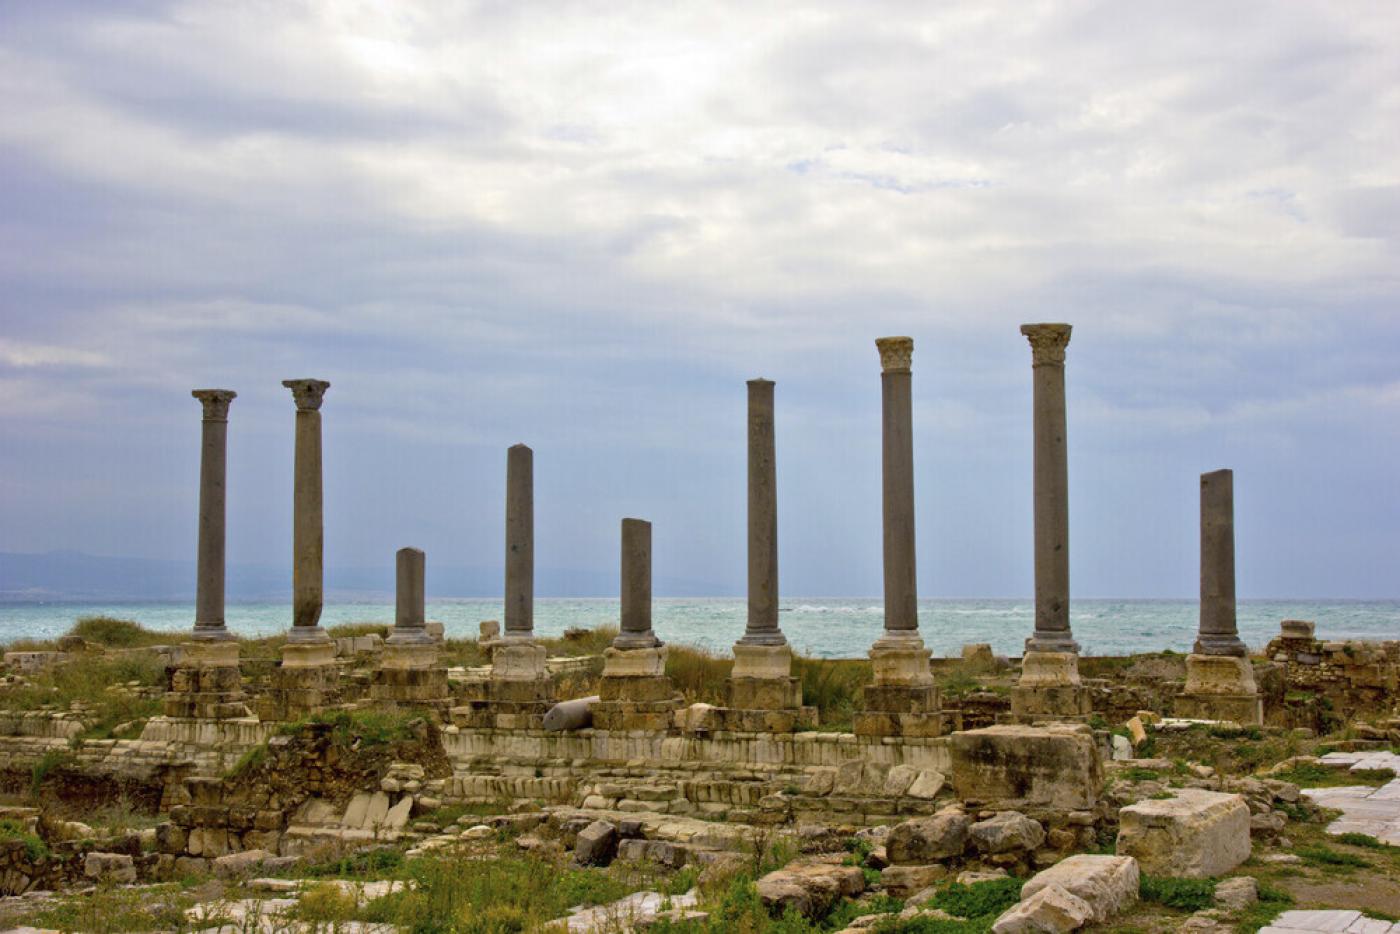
(1007, 832)
(239, 864)
(1197, 834)
(928, 839)
(904, 881)
(518, 660)
(634, 663)
(764, 662)
(765, 693)
(926, 785)
(117, 868)
(810, 888)
(1109, 884)
(308, 654)
(1300, 629)
(1219, 674)
(1051, 910)
(879, 723)
(978, 658)
(642, 688)
(1049, 688)
(596, 844)
(1023, 766)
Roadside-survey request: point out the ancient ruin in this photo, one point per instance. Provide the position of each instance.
(1067, 784)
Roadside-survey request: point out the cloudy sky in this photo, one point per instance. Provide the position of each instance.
(584, 226)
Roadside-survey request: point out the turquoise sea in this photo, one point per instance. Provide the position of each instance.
(825, 627)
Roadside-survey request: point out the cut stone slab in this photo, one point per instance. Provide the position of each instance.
(1372, 811)
(928, 839)
(1292, 921)
(632, 912)
(1108, 883)
(1196, 834)
(1007, 832)
(1055, 766)
(811, 888)
(1051, 909)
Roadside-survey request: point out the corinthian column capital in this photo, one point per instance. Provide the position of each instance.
(307, 392)
(895, 353)
(215, 403)
(1047, 343)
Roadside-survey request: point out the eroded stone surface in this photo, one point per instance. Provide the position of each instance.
(1109, 884)
(1196, 834)
(1056, 766)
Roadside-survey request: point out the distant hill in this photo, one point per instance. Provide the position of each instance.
(73, 575)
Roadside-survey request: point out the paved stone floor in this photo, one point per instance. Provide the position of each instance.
(1310, 922)
(1372, 811)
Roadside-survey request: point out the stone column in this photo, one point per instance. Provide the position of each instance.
(1219, 676)
(635, 631)
(209, 582)
(518, 671)
(1049, 687)
(762, 626)
(897, 476)
(308, 534)
(520, 543)
(1052, 630)
(408, 672)
(203, 680)
(634, 693)
(902, 700)
(410, 624)
(1218, 633)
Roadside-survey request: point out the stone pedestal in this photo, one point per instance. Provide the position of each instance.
(764, 696)
(635, 693)
(307, 682)
(1049, 689)
(518, 694)
(409, 676)
(204, 682)
(902, 700)
(1220, 687)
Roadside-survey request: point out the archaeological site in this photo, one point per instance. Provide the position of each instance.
(398, 778)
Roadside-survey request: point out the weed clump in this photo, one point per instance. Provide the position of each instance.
(1186, 894)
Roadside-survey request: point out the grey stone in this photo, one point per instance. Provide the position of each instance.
(1219, 634)
(308, 532)
(109, 867)
(596, 844)
(209, 579)
(897, 472)
(238, 864)
(1051, 910)
(410, 622)
(928, 839)
(635, 630)
(520, 542)
(576, 714)
(1007, 832)
(762, 626)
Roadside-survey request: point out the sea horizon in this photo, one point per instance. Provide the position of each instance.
(829, 627)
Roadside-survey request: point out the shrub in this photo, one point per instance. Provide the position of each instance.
(48, 763)
(1186, 894)
(1362, 840)
(980, 899)
(1319, 855)
(34, 847)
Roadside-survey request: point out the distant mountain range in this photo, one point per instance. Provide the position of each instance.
(75, 576)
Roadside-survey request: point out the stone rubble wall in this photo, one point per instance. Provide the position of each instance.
(1352, 677)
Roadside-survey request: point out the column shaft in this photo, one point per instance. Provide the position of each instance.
(209, 580)
(520, 543)
(308, 535)
(897, 473)
(1219, 634)
(762, 628)
(636, 629)
(410, 624)
(1052, 627)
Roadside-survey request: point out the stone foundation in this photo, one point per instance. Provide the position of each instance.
(204, 682)
(764, 697)
(1220, 687)
(1050, 689)
(409, 676)
(635, 693)
(903, 700)
(518, 694)
(307, 681)
(1016, 767)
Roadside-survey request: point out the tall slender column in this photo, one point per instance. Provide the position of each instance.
(1052, 629)
(520, 543)
(1219, 634)
(897, 472)
(410, 624)
(308, 534)
(209, 581)
(762, 628)
(636, 631)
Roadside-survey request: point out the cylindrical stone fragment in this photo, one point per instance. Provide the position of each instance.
(1218, 634)
(520, 543)
(635, 631)
(897, 475)
(762, 628)
(410, 622)
(209, 582)
(308, 541)
(1052, 628)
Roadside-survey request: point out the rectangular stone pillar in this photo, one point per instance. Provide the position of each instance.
(408, 674)
(902, 700)
(1219, 675)
(635, 693)
(1049, 687)
(204, 680)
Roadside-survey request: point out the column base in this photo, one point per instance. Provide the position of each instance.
(1220, 687)
(903, 699)
(764, 697)
(1230, 646)
(1050, 689)
(204, 682)
(306, 683)
(409, 676)
(518, 694)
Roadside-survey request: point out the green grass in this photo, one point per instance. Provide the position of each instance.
(106, 910)
(1139, 774)
(121, 633)
(1185, 894)
(1362, 840)
(1319, 855)
(362, 727)
(96, 683)
(349, 630)
(34, 847)
(980, 899)
(48, 763)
